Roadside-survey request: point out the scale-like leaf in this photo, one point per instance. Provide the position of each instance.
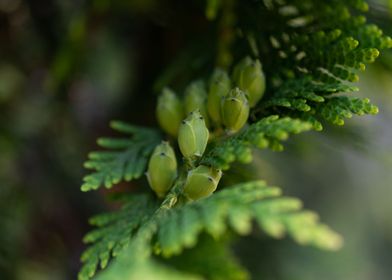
(114, 233)
(268, 132)
(125, 159)
(135, 226)
(235, 207)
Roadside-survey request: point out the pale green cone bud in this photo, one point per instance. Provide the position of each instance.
(196, 99)
(201, 182)
(235, 110)
(219, 86)
(249, 77)
(239, 68)
(193, 135)
(169, 112)
(162, 169)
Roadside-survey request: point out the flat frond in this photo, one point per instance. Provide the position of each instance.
(141, 223)
(311, 50)
(124, 159)
(336, 109)
(114, 233)
(267, 133)
(235, 208)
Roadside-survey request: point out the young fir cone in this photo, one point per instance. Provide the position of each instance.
(249, 77)
(193, 135)
(201, 182)
(235, 110)
(169, 112)
(196, 98)
(219, 86)
(162, 169)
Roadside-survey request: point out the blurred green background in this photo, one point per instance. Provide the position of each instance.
(68, 67)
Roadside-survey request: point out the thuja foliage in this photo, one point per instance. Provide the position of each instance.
(125, 160)
(283, 67)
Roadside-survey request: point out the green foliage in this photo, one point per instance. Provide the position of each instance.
(311, 49)
(267, 133)
(311, 52)
(114, 232)
(337, 108)
(235, 207)
(126, 268)
(206, 259)
(175, 229)
(203, 262)
(126, 159)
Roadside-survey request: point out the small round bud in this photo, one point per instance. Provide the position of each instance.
(169, 112)
(219, 86)
(249, 77)
(196, 99)
(201, 182)
(162, 169)
(235, 110)
(193, 135)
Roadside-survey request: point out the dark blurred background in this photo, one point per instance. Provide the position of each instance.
(69, 67)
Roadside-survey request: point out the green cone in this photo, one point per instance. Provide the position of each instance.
(238, 68)
(169, 112)
(201, 182)
(249, 77)
(219, 86)
(235, 110)
(196, 99)
(193, 135)
(162, 169)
